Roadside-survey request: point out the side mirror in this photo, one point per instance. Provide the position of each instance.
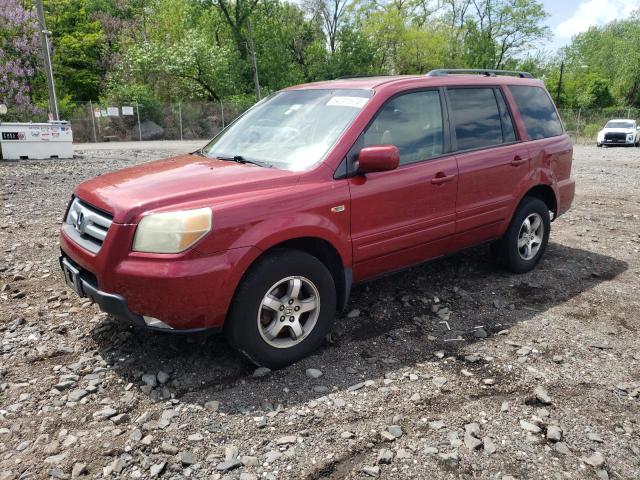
(378, 158)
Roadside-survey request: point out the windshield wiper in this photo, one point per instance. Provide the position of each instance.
(241, 159)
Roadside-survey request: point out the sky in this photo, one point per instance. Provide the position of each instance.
(570, 17)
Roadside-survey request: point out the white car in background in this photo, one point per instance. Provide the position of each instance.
(619, 131)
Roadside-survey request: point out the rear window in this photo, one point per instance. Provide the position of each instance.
(477, 118)
(537, 111)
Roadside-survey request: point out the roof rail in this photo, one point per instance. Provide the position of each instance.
(442, 72)
(363, 75)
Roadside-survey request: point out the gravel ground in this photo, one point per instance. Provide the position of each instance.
(449, 370)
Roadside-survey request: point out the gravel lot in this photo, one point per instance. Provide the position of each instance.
(449, 370)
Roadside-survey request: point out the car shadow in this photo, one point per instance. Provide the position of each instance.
(396, 321)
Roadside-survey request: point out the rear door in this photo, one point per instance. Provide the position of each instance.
(492, 162)
(550, 148)
(406, 215)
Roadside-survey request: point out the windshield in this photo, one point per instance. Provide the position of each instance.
(292, 130)
(618, 124)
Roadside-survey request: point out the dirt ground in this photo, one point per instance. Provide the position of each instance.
(449, 370)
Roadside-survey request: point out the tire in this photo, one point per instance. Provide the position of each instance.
(509, 252)
(599, 145)
(251, 323)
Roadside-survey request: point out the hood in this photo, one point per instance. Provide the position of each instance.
(618, 130)
(179, 182)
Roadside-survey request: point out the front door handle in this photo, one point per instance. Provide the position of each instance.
(441, 177)
(518, 160)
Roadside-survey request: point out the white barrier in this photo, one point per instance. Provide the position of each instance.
(36, 140)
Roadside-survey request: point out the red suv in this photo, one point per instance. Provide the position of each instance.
(263, 231)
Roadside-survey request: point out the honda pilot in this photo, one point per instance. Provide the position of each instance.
(263, 232)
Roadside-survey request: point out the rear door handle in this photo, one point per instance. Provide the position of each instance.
(441, 177)
(518, 160)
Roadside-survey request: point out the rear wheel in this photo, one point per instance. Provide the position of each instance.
(283, 308)
(524, 243)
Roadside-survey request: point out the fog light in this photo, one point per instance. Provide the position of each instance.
(155, 323)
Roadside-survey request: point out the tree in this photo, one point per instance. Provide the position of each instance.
(191, 64)
(19, 49)
(236, 13)
(455, 17)
(332, 14)
(282, 38)
(503, 29)
(611, 53)
(406, 41)
(594, 93)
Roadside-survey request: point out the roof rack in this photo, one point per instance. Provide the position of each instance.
(480, 71)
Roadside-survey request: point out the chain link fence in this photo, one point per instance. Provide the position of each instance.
(583, 124)
(98, 122)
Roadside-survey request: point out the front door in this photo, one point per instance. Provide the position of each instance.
(404, 216)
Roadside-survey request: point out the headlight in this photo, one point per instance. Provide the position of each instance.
(172, 232)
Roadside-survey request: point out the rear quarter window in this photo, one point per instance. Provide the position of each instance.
(538, 113)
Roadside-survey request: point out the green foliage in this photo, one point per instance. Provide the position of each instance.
(158, 51)
(503, 30)
(603, 65)
(133, 94)
(591, 130)
(78, 48)
(593, 91)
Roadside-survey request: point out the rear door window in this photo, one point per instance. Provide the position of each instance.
(476, 118)
(537, 111)
(413, 123)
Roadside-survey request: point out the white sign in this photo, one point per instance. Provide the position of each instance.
(113, 111)
(103, 113)
(127, 110)
(3, 109)
(355, 102)
(96, 113)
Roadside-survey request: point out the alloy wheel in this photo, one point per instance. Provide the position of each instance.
(288, 312)
(530, 236)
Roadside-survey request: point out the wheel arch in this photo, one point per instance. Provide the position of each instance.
(545, 193)
(324, 251)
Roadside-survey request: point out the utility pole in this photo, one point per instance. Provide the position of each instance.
(44, 39)
(254, 64)
(559, 85)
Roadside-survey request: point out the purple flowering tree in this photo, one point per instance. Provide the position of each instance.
(19, 56)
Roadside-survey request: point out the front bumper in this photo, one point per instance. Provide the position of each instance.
(111, 303)
(186, 292)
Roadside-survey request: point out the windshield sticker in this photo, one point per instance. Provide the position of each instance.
(355, 102)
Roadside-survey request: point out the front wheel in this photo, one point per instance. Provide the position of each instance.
(524, 243)
(283, 308)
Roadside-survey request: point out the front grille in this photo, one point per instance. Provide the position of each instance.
(615, 136)
(87, 225)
